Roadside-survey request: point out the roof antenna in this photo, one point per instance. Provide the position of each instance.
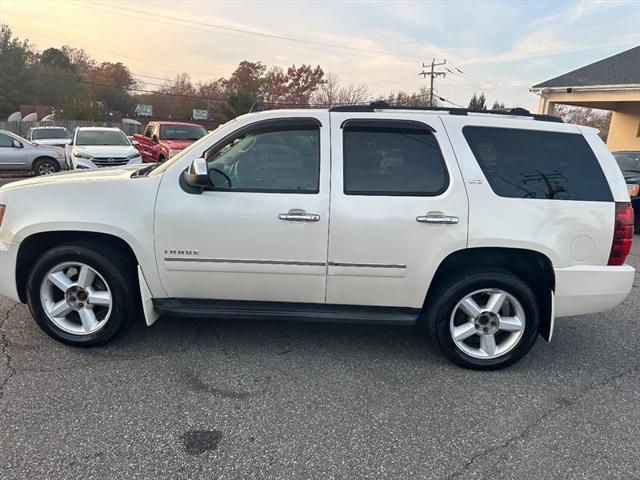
(256, 107)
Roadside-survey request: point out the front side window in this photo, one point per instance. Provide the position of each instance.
(535, 164)
(392, 160)
(101, 137)
(273, 159)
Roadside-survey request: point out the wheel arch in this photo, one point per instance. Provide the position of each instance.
(44, 157)
(534, 267)
(33, 246)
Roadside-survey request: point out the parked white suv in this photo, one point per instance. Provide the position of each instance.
(485, 227)
(99, 147)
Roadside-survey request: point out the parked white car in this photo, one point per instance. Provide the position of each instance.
(97, 147)
(487, 227)
(50, 136)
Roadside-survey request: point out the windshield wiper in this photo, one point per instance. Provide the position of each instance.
(630, 170)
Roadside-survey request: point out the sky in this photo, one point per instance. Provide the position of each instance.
(500, 48)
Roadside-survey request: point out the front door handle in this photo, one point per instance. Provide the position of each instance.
(437, 219)
(299, 216)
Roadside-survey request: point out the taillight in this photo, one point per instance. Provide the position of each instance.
(622, 234)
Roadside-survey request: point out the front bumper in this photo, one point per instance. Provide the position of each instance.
(589, 289)
(8, 258)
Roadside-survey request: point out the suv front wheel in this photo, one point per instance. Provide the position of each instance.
(486, 320)
(80, 296)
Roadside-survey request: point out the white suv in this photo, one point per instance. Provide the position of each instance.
(485, 227)
(97, 147)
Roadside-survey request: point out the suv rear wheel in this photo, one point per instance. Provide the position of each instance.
(80, 296)
(485, 320)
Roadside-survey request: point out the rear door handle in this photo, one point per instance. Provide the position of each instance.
(299, 216)
(437, 219)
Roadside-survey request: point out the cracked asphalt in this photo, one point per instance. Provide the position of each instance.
(189, 398)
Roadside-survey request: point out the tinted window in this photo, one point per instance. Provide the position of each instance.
(5, 140)
(541, 165)
(392, 161)
(101, 137)
(149, 131)
(181, 132)
(41, 133)
(279, 160)
(628, 161)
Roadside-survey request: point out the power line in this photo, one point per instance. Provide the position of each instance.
(442, 99)
(432, 73)
(178, 68)
(478, 82)
(145, 14)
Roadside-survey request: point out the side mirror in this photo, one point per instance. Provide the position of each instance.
(154, 138)
(197, 175)
(69, 141)
(135, 143)
(16, 144)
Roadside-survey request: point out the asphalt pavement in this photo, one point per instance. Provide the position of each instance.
(11, 178)
(193, 398)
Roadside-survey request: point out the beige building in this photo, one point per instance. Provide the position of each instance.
(611, 84)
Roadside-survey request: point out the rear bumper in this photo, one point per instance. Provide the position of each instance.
(588, 289)
(8, 256)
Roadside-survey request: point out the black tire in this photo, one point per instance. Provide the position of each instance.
(454, 289)
(49, 163)
(117, 269)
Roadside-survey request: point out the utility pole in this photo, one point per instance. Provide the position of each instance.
(432, 74)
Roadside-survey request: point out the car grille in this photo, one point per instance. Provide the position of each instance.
(109, 161)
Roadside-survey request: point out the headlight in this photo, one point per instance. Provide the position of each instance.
(634, 190)
(173, 152)
(133, 155)
(79, 154)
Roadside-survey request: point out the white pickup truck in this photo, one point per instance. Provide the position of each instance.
(484, 227)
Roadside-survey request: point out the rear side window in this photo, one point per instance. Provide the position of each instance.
(541, 165)
(390, 160)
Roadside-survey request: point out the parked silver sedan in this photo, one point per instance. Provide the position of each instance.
(18, 154)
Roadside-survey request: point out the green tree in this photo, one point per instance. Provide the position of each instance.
(498, 105)
(111, 84)
(478, 102)
(56, 58)
(16, 59)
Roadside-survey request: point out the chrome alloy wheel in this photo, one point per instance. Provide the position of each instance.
(46, 168)
(487, 331)
(76, 298)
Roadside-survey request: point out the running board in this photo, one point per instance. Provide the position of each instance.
(310, 312)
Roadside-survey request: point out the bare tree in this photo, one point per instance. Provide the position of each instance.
(589, 117)
(333, 93)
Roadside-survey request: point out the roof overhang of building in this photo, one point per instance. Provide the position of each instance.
(587, 88)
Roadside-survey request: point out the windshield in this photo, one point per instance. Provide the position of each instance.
(628, 161)
(101, 137)
(42, 133)
(182, 132)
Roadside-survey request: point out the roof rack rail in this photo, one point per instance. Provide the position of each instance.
(381, 105)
